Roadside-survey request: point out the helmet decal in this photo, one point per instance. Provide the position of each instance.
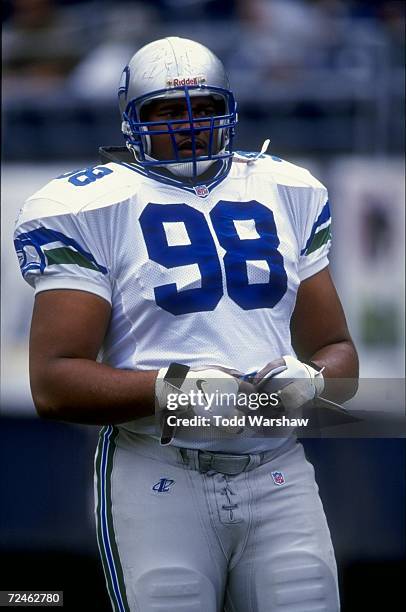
(179, 81)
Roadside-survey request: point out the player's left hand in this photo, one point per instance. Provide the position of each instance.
(295, 382)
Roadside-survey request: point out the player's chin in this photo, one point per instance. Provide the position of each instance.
(188, 153)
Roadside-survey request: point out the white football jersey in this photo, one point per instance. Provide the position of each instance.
(204, 276)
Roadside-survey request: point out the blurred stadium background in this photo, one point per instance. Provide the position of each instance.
(324, 80)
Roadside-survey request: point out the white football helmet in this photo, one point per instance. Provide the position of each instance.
(177, 68)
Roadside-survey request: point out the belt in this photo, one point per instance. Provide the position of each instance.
(219, 462)
(205, 461)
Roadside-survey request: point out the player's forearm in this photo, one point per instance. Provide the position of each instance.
(84, 391)
(341, 369)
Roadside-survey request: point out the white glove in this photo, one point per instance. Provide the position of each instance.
(295, 382)
(206, 392)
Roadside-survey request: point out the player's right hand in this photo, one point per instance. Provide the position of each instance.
(212, 390)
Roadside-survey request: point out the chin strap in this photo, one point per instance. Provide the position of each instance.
(262, 151)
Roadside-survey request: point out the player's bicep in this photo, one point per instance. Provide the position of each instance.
(67, 323)
(318, 319)
(67, 326)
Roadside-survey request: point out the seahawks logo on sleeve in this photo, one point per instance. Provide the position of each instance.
(44, 247)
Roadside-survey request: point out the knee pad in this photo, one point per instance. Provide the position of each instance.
(302, 580)
(174, 589)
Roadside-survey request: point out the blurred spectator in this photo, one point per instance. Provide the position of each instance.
(38, 49)
(282, 39)
(88, 82)
(125, 28)
(392, 15)
(175, 11)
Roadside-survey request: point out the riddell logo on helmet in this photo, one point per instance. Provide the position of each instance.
(182, 81)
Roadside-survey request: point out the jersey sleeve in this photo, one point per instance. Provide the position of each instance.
(315, 234)
(57, 249)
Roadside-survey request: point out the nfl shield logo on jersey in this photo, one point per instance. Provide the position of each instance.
(278, 478)
(201, 191)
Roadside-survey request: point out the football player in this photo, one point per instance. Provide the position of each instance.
(179, 268)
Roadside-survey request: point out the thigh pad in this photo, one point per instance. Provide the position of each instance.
(174, 589)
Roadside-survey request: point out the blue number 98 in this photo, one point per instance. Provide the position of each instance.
(201, 250)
